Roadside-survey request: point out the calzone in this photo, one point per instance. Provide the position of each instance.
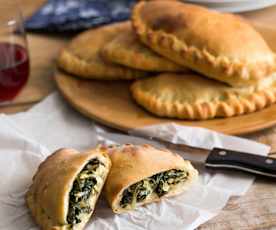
(218, 45)
(142, 174)
(193, 97)
(66, 187)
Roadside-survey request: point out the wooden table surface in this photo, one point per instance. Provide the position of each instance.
(255, 210)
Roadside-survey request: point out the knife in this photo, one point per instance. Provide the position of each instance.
(229, 159)
(217, 158)
(220, 158)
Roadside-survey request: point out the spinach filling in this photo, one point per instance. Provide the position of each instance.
(83, 187)
(160, 184)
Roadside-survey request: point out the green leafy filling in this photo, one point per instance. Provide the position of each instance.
(160, 184)
(83, 187)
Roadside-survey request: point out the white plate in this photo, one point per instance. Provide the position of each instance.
(234, 5)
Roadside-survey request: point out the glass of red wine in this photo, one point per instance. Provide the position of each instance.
(14, 55)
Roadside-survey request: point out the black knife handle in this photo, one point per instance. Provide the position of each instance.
(228, 159)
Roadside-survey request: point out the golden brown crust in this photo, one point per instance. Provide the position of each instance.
(127, 50)
(82, 57)
(193, 97)
(48, 196)
(132, 163)
(220, 46)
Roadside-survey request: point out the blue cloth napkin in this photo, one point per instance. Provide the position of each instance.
(70, 15)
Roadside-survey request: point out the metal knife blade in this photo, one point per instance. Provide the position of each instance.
(219, 158)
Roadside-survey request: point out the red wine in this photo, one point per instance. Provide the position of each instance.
(14, 70)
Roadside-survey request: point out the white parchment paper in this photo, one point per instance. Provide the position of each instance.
(27, 138)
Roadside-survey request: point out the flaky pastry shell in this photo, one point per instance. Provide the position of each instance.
(193, 97)
(133, 163)
(127, 50)
(82, 56)
(48, 196)
(220, 46)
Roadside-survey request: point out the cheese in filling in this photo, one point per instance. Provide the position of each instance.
(158, 184)
(84, 191)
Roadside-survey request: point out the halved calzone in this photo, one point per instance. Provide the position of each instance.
(220, 46)
(143, 174)
(66, 187)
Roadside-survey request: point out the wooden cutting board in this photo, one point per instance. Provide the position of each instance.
(111, 104)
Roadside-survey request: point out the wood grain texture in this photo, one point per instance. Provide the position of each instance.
(255, 210)
(111, 104)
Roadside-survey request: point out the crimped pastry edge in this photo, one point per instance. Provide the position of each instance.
(144, 64)
(235, 73)
(80, 68)
(207, 110)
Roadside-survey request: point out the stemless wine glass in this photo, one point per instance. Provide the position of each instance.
(14, 56)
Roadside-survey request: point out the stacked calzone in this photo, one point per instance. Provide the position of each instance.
(185, 45)
(68, 183)
(217, 46)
